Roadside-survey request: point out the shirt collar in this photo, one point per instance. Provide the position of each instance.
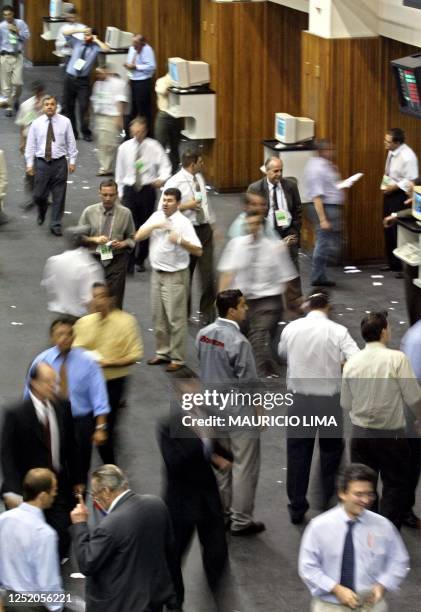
(117, 499)
(32, 510)
(229, 321)
(346, 518)
(374, 346)
(316, 314)
(105, 212)
(271, 185)
(398, 150)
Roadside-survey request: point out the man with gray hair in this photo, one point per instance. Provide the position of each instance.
(131, 548)
(69, 277)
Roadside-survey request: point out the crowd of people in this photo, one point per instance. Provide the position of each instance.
(155, 211)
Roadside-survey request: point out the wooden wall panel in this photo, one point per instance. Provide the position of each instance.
(348, 89)
(38, 50)
(102, 13)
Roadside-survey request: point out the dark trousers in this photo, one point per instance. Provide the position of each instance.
(115, 276)
(84, 429)
(262, 318)
(300, 449)
(167, 133)
(206, 270)
(77, 89)
(58, 517)
(389, 457)
(51, 177)
(393, 202)
(412, 294)
(142, 100)
(142, 204)
(294, 292)
(116, 390)
(211, 533)
(414, 442)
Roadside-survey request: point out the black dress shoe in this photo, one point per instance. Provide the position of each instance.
(41, 217)
(411, 520)
(87, 137)
(141, 268)
(297, 519)
(398, 275)
(326, 283)
(56, 231)
(252, 529)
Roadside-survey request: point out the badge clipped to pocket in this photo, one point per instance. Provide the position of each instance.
(283, 218)
(79, 64)
(105, 251)
(139, 165)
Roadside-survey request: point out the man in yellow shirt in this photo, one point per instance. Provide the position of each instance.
(116, 341)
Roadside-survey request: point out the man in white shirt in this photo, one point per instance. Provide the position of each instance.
(377, 385)
(29, 558)
(142, 166)
(63, 48)
(315, 348)
(109, 95)
(401, 168)
(167, 127)
(350, 557)
(260, 267)
(172, 240)
(69, 277)
(195, 206)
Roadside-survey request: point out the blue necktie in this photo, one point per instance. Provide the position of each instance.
(347, 571)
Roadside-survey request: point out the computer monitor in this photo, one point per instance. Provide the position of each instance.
(416, 203)
(290, 130)
(118, 39)
(186, 73)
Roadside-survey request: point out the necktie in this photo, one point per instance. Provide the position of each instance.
(106, 229)
(84, 50)
(200, 215)
(64, 391)
(49, 140)
(348, 560)
(275, 208)
(138, 167)
(47, 435)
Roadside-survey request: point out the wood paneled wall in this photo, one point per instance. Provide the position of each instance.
(102, 13)
(254, 53)
(348, 89)
(38, 50)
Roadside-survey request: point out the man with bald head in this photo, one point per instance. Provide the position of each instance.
(283, 216)
(38, 432)
(141, 65)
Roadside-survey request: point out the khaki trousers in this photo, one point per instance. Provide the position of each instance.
(107, 134)
(169, 307)
(317, 605)
(11, 70)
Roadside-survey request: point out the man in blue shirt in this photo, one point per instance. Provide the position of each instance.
(77, 79)
(141, 64)
(82, 383)
(29, 560)
(13, 33)
(349, 556)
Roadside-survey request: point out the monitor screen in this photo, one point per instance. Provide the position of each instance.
(173, 70)
(407, 72)
(280, 127)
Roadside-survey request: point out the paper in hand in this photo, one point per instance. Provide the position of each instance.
(347, 183)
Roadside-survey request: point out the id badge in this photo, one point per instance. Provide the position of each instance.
(79, 64)
(104, 251)
(283, 218)
(139, 165)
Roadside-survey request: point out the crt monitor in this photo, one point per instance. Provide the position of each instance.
(178, 71)
(285, 128)
(416, 203)
(198, 73)
(117, 39)
(407, 71)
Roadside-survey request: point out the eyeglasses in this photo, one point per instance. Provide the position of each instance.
(362, 495)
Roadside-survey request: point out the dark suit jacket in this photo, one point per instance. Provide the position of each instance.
(293, 199)
(23, 447)
(126, 558)
(191, 489)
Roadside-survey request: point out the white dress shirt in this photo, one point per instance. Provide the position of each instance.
(62, 46)
(261, 267)
(117, 499)
(156, 164)
(315, 347)
(64, 143)
(184, 181)
(280, 197)
(29, 558)
(44, 411)
(377, 385)
(379, 553)
(163, 254)
(68, 279)
(402, 166)
(107, 94)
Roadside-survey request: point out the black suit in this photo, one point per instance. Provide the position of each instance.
(193, 500)
(23, 448)
(293, 200)
(127, 558)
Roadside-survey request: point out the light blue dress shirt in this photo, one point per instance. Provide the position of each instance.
(91, 53)
(380, 554)
(145, 63)
(7, 42)
(63, 145)
(411, 346)
(29, 558)
(320, 178)
(85, 380)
